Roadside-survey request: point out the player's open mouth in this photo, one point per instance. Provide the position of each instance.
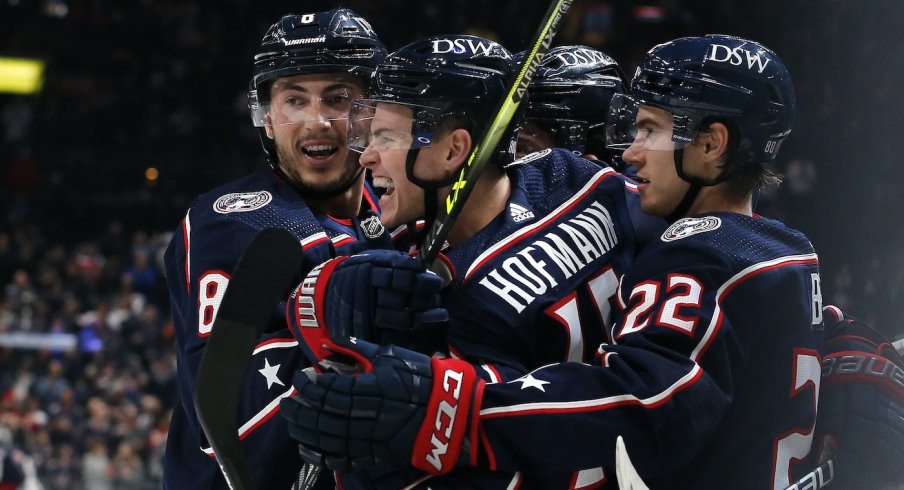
(384, 183)
(319, 151)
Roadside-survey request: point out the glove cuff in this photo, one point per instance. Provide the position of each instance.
(305, 314)
(453, 403)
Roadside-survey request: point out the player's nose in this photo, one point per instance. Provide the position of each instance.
(633, 154)
(369, 157)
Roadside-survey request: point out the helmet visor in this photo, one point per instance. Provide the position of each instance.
(297, 107)
(643, 126)
(381, 125)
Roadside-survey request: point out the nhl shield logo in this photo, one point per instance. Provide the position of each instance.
(241, 202)
(372, 227)
(686, 227)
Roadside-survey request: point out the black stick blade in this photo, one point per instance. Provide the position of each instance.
(262, 277)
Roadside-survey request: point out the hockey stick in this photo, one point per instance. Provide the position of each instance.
(484, 149)
(261, 277)
(821, 477)
(625, 473)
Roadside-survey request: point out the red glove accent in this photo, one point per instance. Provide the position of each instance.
(451, 417)
(306, 324)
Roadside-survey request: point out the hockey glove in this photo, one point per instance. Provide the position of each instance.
(861, 405)
(381, 296)
(410, 410)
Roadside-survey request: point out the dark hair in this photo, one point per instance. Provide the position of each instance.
(743, 176)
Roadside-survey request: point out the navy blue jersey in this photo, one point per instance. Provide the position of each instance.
(199, 260)
(711, 375)
(537, 286)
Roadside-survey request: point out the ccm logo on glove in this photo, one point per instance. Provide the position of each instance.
(439, 442)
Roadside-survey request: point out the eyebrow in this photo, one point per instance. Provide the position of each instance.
(648, 121)
(335, 86)
(380, 131)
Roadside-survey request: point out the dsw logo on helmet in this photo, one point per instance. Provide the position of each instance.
(472, 46)
(581, 56)
(720, 53)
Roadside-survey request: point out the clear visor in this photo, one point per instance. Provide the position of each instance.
(645, 127)
(380, 125)
(298, 107)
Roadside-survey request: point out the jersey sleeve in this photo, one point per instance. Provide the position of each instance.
(679, 371)
(646, 386)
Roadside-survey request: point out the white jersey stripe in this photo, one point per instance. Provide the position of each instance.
(187, 233)
(282, 344)
(315, 238)
(493, 378)
(521, 233)
(258, 419)
(594, 404)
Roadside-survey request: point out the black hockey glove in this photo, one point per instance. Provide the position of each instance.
(861, 406)
(409, 410)
(381, 296)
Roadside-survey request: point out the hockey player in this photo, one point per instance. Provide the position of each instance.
(307, 71)
(535, 254)
(568, 100)
(713, 368)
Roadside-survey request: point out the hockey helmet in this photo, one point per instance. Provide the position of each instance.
(334, 41)
(436, 78)
(727, 78)
(570, 93)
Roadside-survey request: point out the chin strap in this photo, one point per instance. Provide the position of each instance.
(430, 188)
(689, 196)
(430, 210)
(696, 183)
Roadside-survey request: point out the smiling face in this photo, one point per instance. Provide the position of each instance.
(385, 155)
(389, 141)
(307, 121)
(653, 153)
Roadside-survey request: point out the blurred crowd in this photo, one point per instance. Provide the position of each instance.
(143, 107)
(91, 413)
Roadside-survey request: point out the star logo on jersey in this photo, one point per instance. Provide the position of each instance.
(241, 202)
(529, 381)
(520, 213)
(269, 373)
(686, 227)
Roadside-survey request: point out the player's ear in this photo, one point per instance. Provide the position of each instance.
(714, 141)
(458, 148)
(268, 126)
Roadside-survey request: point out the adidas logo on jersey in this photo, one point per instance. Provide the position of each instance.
(520, 213)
